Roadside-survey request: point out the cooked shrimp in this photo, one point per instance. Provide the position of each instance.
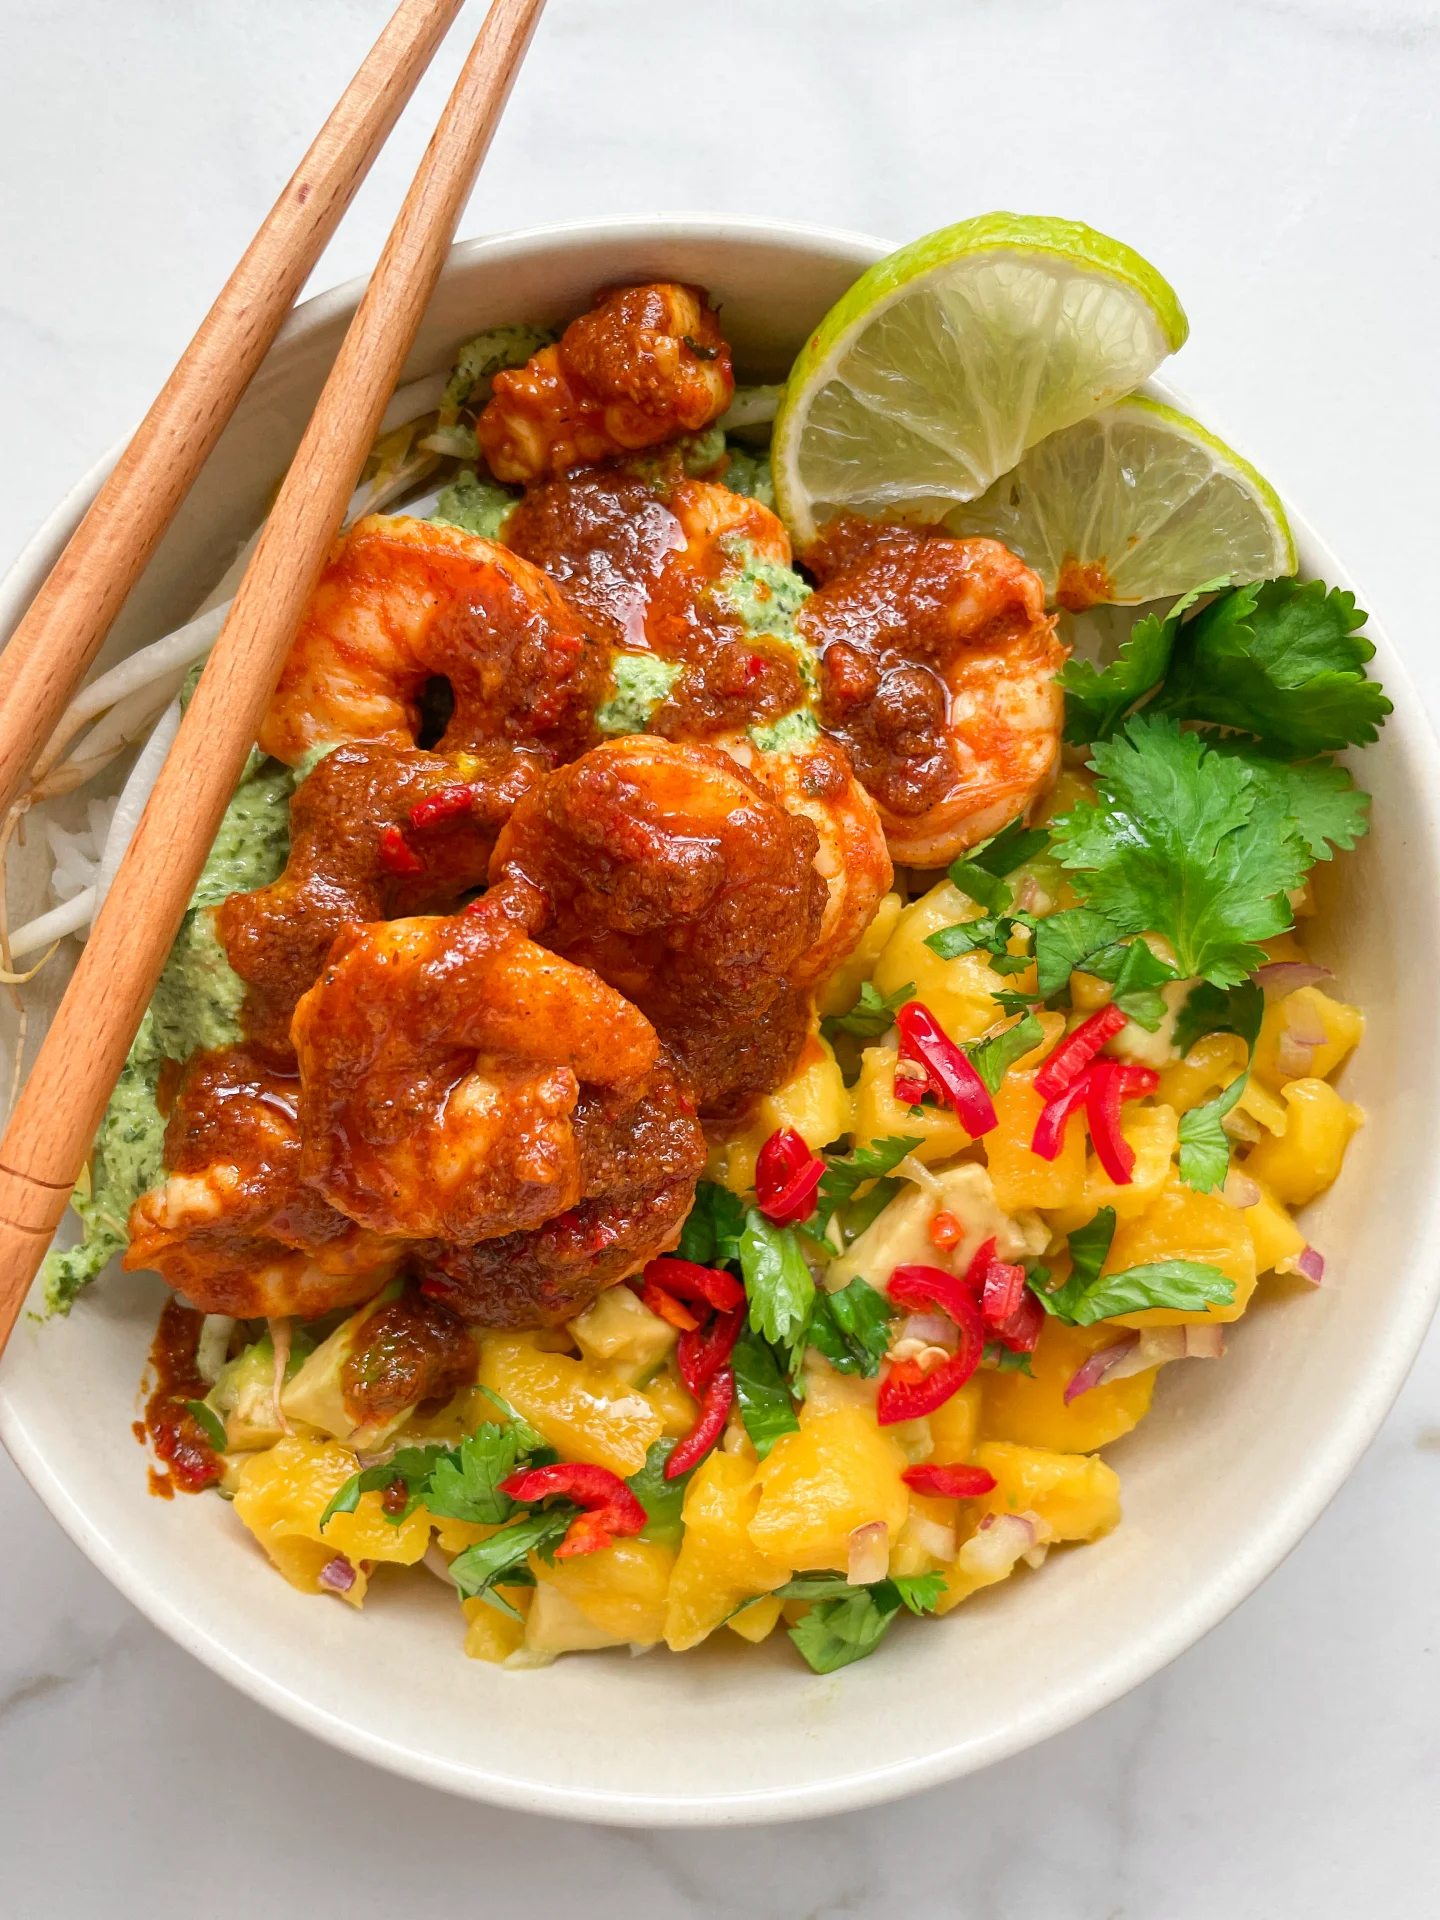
(938, 668)
(640, 1174)
(645, 364)
(402, 601)
(450, 1069)
(376, 830)
(230, 1226)
(667, 564)
(669, 871)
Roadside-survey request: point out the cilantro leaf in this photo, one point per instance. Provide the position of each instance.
(711, 1233)
(851, 1328)
(1320, 799)
(981, 874)
(662, 1499)
(1002, 1359)
(1137, 973)
(1207, 1009)
(871, 1014)
(1204, 1143)
(1097, 699)
(1064, 941)
(465, 1485)
(992, 1059)
(413, 1465)
(764, 1399)
(989, 934)
(778, 1283)
(1282, 661)
(1087, 1296)
(845, 1173)
(1185, 842)
(503, 1555)
(846, 1623)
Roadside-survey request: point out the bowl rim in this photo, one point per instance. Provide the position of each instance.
(1258, 1555)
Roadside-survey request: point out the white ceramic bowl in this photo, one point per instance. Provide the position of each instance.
(1219, 1483)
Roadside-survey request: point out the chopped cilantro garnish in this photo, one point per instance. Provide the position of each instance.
(1097, 699)
(981, 874)
(845, 1623)
(1204, 1146)
(711, 1234)
(209, 1422)
(851, 1328)
(764, 1399)
(662, 1499)
(465, 1484)
(1087, 1296)
(992, 1059)
(846, 1173)
(501, 1558)
(871, 1014)
(778, 1283)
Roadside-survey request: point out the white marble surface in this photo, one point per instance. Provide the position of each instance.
(1280, 160)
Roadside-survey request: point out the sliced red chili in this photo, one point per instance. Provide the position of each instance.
(611, 1509)
(787, 1178)
(1077, 1050)
(980, 1265)
(1111, 1083)
(660, 1301)
(443, 804)
(907, 1391)
(691, 1281)
(949, 1483)
(1003, 1292)
(1021, 1331)
(714, 1412)
(950, 1074)
(397, 855)
(702, 1351)
(1049, 1135)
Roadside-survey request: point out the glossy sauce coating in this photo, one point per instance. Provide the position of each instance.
(938, 668)
(646, 363)
(670, 873)
(175, 1434)
(411, 1352)
(641, 558)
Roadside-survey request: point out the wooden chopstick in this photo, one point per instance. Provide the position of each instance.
(80, 1060)
(68, 619)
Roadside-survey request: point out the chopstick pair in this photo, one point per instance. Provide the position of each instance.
(55, 1118)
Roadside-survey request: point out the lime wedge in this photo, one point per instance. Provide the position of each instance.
(946, 361)
(1136, 503)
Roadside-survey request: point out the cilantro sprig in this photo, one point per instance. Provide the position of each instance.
(982, 872)
(845, 1623)
(872, 1014)
(1204, 1144)
(851, 1328)
(1087, 1296)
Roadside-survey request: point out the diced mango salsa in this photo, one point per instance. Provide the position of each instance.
(1032, 1410)
(1153, 1135)
(621, 1589)
(839, 1472)
(960, 993)
(1021, 1178)
(281, 1496)
(814, 1101)
(841, 990)
(1075, 1494)
(719, 1565)
(1308, 1155)
(1307, 1011)
(1274, 1234)
(1184, 1225)
(582, 1410)
(880, 1116)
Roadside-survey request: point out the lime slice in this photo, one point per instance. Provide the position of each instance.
(1136, 503)
(944, 362)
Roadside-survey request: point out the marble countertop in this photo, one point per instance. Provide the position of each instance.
(1272, 157)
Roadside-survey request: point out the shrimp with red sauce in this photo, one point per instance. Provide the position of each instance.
(938, 671)
(661, 566)
(645, 364)
(231, 1226)
(671, 873)
(402, 601)
(459, 1082)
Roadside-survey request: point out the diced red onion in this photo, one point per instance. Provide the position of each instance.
(868, 1556)
(1286, 976)
(999, 1541)
(1098, 1365)
(1294, 1058)
(1309, 1263)
(1158, 1346)
(1240, 1190)
(337, 1575)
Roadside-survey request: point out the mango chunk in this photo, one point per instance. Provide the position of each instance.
(880, 1116)
(621, 1589)
(1021, 1178)
(1274, 1234)
(1153, 1133)
(1075, 1494)
(1305, 1011)
(1305, 1159)
(839, 1472)
(814, 1101)
(955, 1425)
(1032, 1411)
(582, 1410)
(281, 1496)
(958, 992)
(1212, 1063)
(841, 989)
(492, 1635)
(718, 1565)
(617, 1330)
(1184, 1225)
(757, 1621)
